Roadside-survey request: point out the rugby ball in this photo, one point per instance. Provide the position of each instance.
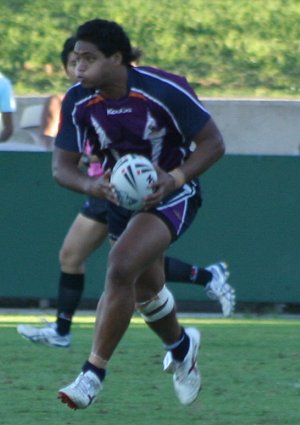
(131, 178)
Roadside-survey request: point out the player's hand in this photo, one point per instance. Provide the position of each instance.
(102, 188)
(163, 187)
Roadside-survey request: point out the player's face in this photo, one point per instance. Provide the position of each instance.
(93, 68)
(71, 66)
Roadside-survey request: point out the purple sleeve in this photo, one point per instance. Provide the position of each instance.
(188, 111)
(179, 99)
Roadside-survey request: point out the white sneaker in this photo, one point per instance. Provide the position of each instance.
(219, 289)
(82, 392)
(186, 376)
(46, 335)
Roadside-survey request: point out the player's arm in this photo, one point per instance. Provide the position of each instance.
(67, 173)
(66, 156)
(50, 120)
(209, 149)
(66, 152)
(50, 117)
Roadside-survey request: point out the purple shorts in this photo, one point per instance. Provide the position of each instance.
(177, 211)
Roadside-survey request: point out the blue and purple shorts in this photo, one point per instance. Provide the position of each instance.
(95, 209)
(177, 211)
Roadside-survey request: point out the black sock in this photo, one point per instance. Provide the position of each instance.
(96, 370)
(179, 271)
(69, 294)
(200, 276)
(180, 348)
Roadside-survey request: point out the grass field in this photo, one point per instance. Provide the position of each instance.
(250, 370)
(227, 48)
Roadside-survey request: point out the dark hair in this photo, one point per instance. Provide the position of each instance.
(68, 47)
(137, 53)
(108, 36)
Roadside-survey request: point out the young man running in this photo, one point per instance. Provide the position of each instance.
(87, 233)
(156, 114)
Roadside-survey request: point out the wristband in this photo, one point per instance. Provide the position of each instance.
(178, 176)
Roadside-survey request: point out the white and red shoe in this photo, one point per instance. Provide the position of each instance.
(81, 393)
(186, 375)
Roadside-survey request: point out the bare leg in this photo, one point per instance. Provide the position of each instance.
(84, 237)
(125, 266)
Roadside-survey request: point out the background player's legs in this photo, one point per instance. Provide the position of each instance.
(180, 271)
(213, 278)
(83, 238)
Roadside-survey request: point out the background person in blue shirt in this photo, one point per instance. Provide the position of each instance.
(7, 108)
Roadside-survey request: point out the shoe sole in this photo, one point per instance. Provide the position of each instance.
(66, 400)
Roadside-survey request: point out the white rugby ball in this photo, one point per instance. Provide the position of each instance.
(132, 177)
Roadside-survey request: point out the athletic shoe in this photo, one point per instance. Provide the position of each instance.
(46, 335)
(82, 392)
(186, 376)
(219, 289)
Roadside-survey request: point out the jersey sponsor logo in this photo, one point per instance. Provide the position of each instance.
(113, 111)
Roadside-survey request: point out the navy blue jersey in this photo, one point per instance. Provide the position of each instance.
(158, 119)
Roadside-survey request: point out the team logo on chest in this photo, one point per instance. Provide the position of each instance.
(151, 130)
(154, 135)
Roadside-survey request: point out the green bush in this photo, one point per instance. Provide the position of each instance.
(224, 47)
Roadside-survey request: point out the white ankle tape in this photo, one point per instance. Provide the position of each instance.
(157, 308)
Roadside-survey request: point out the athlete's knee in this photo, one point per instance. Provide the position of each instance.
(70, 259)
(120, 268)
(158, 307)
(65, 255)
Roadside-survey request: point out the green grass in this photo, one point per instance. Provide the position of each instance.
(250, 370)
(224, 47)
